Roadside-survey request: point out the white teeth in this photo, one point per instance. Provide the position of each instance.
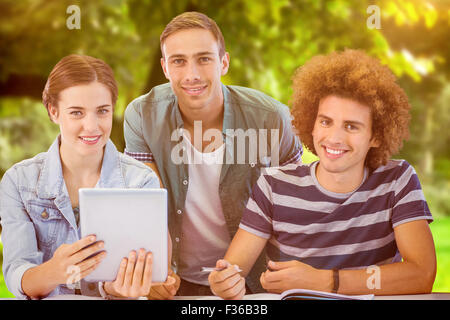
(194, 89)
(89, 139)
(332, 151)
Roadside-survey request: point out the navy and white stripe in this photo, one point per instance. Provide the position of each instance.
(305, 222)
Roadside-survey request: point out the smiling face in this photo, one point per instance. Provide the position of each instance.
(84, 114)
(193, 66)
(342, 135)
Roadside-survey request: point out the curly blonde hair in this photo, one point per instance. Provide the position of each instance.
(354, 75)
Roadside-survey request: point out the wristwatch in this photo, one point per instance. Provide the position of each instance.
(335, 281)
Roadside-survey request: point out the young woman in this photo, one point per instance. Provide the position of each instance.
(39, 196)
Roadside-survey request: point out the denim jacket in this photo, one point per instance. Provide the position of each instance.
(36, 212)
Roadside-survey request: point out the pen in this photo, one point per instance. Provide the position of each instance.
(210, 269)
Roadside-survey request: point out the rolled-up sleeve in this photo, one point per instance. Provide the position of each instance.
(135, 145)
(290, 147)
(20, 251)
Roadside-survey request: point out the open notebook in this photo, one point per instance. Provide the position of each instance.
(302, 294)
(295, 294)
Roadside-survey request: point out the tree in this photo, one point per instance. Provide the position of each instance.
(267, 41)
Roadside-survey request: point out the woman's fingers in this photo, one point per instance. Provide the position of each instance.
(138, 269)
(129, 270)
(87, 271)
(134, 277)
(120, 278)
(147, 276)
(86, 252)
(80, 244)
(88, 263)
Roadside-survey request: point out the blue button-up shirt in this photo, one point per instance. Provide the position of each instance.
(149, 126)
(36, 212)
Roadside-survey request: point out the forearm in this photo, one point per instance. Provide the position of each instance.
(243, 261)
(415, 274)
(391, 279)
(38, 281)
(244, 250)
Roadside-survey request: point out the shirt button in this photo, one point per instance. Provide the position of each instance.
(179, 211)
(185, 182)
(177, 239)
(44, 214)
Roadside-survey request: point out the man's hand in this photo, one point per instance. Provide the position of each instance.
(282, 276)
(166, 290)
(228, 283)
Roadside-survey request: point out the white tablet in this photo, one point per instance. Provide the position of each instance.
(126, 219)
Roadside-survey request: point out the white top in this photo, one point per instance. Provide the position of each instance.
(204, 234)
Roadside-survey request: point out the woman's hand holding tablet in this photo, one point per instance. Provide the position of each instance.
(134, 278)
(83, 254)
(69, 264)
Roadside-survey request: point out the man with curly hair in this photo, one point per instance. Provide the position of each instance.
(331, 224)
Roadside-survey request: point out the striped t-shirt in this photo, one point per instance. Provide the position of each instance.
(327, 230)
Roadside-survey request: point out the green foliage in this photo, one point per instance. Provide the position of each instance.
(438, 198)
(267, 42)
(441, 234)
(25, 130)
(308, 156)
(4, 292)
(442, 168)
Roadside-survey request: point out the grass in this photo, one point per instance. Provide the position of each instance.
(440, 228)
(4, 293)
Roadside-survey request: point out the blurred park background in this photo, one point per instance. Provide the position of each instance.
(267, 41)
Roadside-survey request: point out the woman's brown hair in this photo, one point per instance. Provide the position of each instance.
(352, 74)
(74, 70)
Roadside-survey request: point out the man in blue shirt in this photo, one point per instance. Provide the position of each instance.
(208, 143)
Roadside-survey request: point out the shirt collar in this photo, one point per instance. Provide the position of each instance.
(228, 116)
(313, 167)
(179, 123)
(51, 182)
(111, 174)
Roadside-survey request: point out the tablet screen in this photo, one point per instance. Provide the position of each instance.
(126, 219)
